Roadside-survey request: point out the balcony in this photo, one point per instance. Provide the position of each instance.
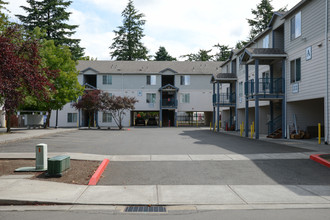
(169, 103)
(267, 88)
(227, 99)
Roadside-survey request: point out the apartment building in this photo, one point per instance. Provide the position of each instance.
(279, 80)
(168, 90)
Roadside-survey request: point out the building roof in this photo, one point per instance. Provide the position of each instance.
(224, 77)
(264, 55)
(150, 67)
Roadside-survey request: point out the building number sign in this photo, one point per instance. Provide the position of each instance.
(309, 53)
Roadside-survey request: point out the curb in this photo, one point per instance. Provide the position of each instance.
(97, 175)
(318, 159)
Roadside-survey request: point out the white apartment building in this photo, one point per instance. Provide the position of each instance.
(171, 90)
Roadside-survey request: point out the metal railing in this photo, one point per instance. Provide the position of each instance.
(266, 86)
(225, 99)
(275, 124)
(170, 102)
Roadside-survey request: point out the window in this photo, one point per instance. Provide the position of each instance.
(240, 89)
(185, 80)
(265, 42)
(151, 97)
(151, 80)
(185, 98)
(295, 68)
(107, 80)
(106, 117)
(72, 117)
(296, 26)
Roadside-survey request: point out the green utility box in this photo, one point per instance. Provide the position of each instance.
(58, 164)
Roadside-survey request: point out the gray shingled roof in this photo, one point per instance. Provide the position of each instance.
(150, 67)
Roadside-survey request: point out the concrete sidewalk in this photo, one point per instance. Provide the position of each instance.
(19, 189)
(14, 190)
(18, 134)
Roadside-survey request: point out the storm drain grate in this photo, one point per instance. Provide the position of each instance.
(145, 209)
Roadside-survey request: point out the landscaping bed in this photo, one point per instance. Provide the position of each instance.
(80, 171)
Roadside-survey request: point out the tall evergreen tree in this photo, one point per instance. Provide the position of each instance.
(127, 43)
(263, 14)
(224, 52)
(162, 55)
(51, 15)
(202, 55)
(3, 17)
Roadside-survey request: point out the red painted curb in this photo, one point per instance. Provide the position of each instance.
(317, 158)
(97, 175)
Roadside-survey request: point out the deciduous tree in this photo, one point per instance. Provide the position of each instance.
(117, 106)
(90, 102)
(21, 71)
(127, 43)
(57, 58)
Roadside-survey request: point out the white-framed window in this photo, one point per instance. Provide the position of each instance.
(106, 117)
(296, 26)
(72, 117)
(185, 98)
(265, 42)
(240, 89)
(295, 70)
(107, 80)
(185, 80)
(151, 80)
(151, 98)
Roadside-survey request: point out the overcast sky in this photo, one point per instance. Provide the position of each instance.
(181, 26)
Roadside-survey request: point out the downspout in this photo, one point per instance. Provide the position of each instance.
(326, 72)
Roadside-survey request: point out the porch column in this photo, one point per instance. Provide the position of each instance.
(236, 111)
(218, 106)
(246, 101)
(160, 109)
(283, 101)
(256, 124)
(271, 73)
(213, 101)
(79, 117)
(271, 112)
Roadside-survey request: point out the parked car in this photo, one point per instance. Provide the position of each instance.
(152, 122)
(140, 121)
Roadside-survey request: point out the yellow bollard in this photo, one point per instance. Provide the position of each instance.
(177, 124)
(241, 131)
(319, 132)
(251, 132)
(210, 126)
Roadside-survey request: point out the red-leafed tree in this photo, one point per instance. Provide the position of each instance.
(21, 70)
(117, 106)
(90, 102)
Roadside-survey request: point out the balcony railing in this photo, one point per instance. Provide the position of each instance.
(266, 87)
(225, 99)
(169, 103)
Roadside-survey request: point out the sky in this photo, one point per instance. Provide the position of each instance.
(181, 26)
